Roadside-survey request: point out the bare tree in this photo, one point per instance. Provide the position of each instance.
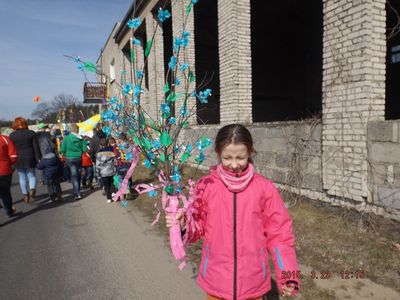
(42, 111)
(62, 102)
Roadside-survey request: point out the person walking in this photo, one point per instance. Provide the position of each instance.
(98, 134)
(46, 145)
(29, 155)
(52, 169)
(72, 147)
(8, 158)
(106, 167)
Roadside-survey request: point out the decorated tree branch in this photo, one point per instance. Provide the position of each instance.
(157, 138)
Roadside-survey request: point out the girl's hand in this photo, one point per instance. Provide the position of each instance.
(179, 217)
(287, 290)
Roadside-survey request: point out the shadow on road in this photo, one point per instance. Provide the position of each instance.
(42, 203)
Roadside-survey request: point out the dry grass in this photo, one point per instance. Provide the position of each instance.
(334, 242)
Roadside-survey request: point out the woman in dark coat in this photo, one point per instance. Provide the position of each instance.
(28, 156)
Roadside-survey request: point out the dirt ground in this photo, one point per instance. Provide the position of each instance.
(342, 254)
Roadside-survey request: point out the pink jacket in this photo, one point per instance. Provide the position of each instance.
(239, 231)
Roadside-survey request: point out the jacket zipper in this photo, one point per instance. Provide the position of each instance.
(234, 249)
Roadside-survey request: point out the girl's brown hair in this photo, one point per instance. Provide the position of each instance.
(234, 134)
(20, 123)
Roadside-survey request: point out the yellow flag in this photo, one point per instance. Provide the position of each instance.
(87, 126)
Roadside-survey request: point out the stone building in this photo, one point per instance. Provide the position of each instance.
(315, 82)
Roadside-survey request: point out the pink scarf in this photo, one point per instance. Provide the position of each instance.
(233, 182)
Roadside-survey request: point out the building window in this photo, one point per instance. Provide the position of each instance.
(392, 109)
(286, 50)
(112, 70)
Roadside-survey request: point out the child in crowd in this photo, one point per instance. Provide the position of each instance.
(123, 150)
(106, 166)
(52, 173)
(241, 217)
(87, 167)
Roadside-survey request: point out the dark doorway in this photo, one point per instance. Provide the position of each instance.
(392, 108)
(286, 49)
(167, 44)
(207, 60)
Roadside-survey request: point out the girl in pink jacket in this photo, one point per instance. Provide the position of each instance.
(242, 218)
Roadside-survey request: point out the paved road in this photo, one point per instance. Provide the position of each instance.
(86, 249)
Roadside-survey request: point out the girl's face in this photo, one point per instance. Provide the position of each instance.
(235, 157)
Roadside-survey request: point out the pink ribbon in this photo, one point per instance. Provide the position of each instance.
(124, 185)
(170, 204)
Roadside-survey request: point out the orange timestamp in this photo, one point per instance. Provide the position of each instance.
(344, 274)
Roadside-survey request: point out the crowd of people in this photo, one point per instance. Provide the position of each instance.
(52, 156)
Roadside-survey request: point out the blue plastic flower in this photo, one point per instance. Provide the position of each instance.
(127, 89)
(183, 112)
(135, 101)
(81, 67)
(128, 156)
(118, 122)
(176, 177)
(136, 42)
(172, 121)
(188, 148)
(165, 108)
(156, 144)
(134, 23)
(107, 130)
(152, 193)
(202, 96)
(124, 203)
(200, 158)
(147, 163)
(172, 62)
(185, 39)
(139, 74)
(150, 155)
(177, 44)
(108, 115)
(177, 81)
(163, 15)
(113, 100)
(194, 1)
(138, 90)
(207, 142)
(77, 59)
(199, 145)
(184, 67)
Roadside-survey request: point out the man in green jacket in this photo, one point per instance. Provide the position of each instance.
(72, 147)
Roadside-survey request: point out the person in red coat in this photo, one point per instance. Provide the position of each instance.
(8, 157)
(87, 168)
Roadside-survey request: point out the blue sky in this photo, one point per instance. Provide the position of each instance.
(34, 35)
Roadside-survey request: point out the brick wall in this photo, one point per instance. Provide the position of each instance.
(384, 164)
(353, 91)
(235, 61)
(155, 68)
(179, 17)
